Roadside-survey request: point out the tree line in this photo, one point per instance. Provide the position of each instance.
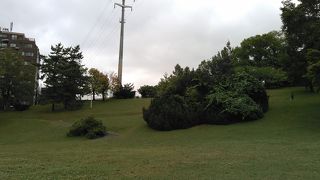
(231, 86)
(67, 80)
(290, 57)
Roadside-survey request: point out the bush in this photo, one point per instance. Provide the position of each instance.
(189, 99)
(125, 92)
(243, 83)
(21, 106)
(88, 127)
(148, 91)
(168, 113)
(230, 107)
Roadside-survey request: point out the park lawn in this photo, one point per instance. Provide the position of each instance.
(285, 144)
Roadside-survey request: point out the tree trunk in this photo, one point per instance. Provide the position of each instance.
(93, 95)
(311, 87)
(52, 107)
(103, 96)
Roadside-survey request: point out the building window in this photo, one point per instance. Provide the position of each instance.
(28, 45)
(3, 45)
(30, 54)
(3, 35)
(14, 37)
(13, 45)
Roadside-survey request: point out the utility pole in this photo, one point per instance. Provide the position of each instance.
(122, 22)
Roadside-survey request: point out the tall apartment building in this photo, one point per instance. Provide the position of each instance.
(26, 47)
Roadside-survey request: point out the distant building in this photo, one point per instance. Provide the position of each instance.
(26, 47)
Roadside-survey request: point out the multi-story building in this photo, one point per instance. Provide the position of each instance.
(26, 47)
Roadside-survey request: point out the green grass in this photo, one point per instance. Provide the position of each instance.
(283, 145)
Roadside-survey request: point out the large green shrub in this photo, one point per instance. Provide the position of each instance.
(168, 113)
(88, 127)
(212, 94)
(244, 83)
(230, 107)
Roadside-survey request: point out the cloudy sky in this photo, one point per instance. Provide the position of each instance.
(158, 34)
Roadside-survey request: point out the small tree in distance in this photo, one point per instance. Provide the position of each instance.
(99, 83)
(148, 91)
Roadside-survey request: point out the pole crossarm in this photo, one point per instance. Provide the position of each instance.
(122, 6)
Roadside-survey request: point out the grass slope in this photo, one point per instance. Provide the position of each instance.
(283, 145)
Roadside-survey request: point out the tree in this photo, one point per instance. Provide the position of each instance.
(64, 76)
(125, 92)
(16, 79)
(104, 85)
(302, 30)
(94, 81)
(114, 82)
(313, 69)
(177, 83)
(148, 91)
(218, 68)
(272, 77)
(266, 50)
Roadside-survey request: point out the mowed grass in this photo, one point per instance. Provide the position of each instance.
(285, 144)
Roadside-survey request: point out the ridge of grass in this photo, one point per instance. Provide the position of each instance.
(285, 144)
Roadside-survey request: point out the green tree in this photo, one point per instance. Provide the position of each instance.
(17, 79)
(104, 85)
(218, 68)
(114, 82)
(302, 30)
(125, 92)
(94, 81)
(64, 76)
(272, 77)
(266, 50)
(148, 91)
(313, 69)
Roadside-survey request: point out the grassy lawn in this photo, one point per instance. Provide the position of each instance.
(283, 145)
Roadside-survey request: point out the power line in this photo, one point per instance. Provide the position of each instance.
(96, 23)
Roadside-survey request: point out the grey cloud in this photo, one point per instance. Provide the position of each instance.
(159, 34)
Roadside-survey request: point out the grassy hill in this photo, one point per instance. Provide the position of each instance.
(283, 145)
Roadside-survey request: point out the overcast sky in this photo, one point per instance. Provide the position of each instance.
(158, 33)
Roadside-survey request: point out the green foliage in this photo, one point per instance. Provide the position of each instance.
(218, 68)
(245, 84)
(168, 113)
(302, 30)
(177, 83)
(272, 77)
(125, 92)
(228, 107)
(88, 127)
(17, 80)
(266, 50)
(99, 83)
(212, 94)
(64, 77)
(313, 70)
(148, 91)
